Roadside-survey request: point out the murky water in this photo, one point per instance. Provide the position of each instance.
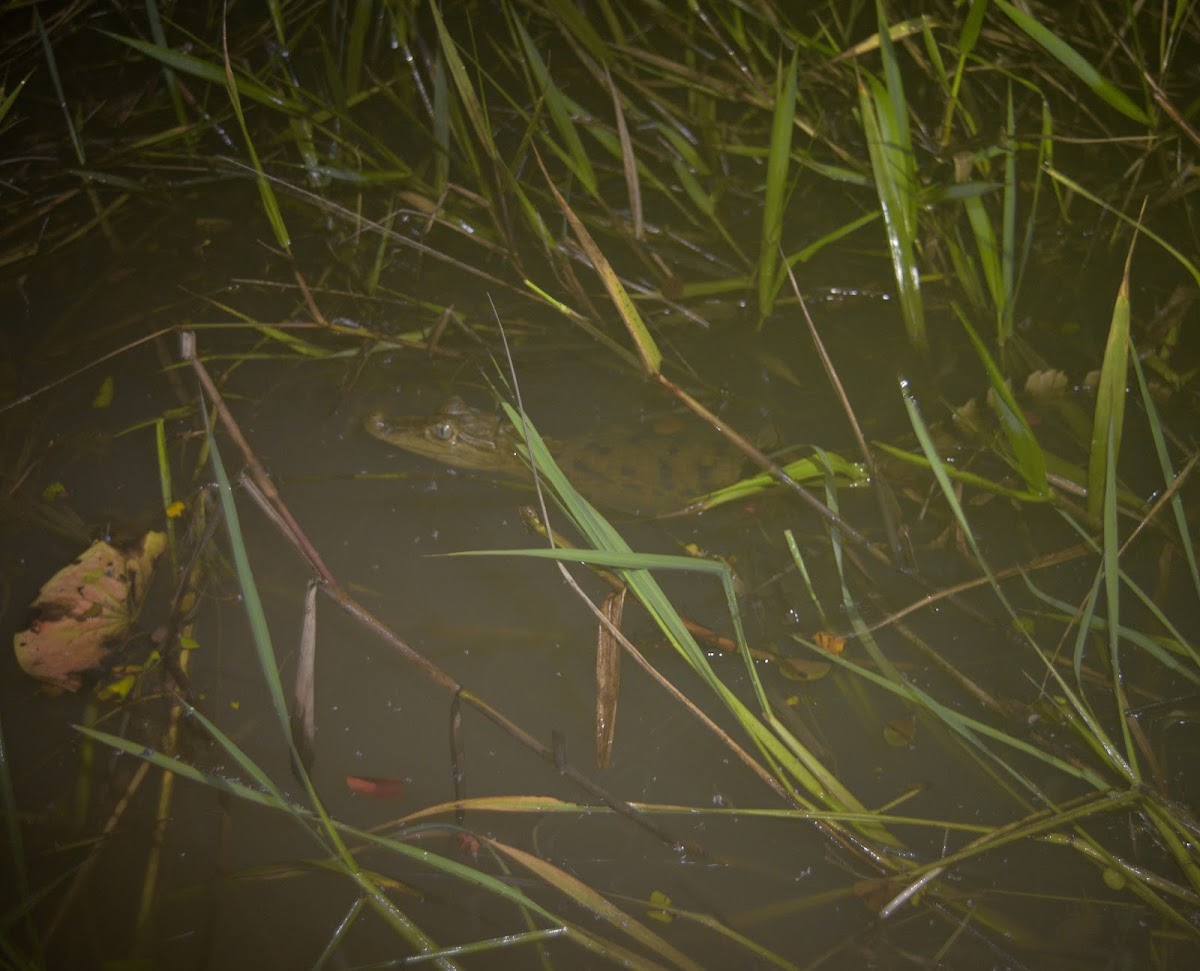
(238, 885)
(510, 631)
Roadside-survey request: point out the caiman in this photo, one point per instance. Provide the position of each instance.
(643, 470)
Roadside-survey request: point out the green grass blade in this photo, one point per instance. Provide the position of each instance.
(207, 71)
(574, 155)
(965, 476)
(800, 766)
(154, 17)
(260, 632)
(361, 17)
(1136, 224)
(778, 157)
(441, 126)
(466, 90)
(647, 348)
(1074, 62)
(1110, 400)
(901, 240)
(1170, 649)
(1008, 227)
(1031, 461)
(8, 99)
(940, 468)
(52, 68)
(967, 38)
(596, 903)
(1112, 598)
(1096, 732)
(1168, 473)
(806, 471)
(987, 248)
(270, 797)
(884, 116)
(968, 728)
(266, 192)
(813, 248)
(572, 21)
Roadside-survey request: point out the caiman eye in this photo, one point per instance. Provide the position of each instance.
(444, 431)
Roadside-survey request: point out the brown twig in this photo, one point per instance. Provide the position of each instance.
(284, 521)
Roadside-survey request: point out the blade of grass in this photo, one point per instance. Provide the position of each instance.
(60, 95)
(970, 729)
(633, 185)
(466, 90)
(964, 46)
(574, 156)
(266, 191)
(1008, 226)
(648, 351)
(884, 117)
(477, 116)
(1182, 530)
(1110, 398)
(964, 476)
(197, 67)
(1074, 62)
(587, 898)
(612, 550)
(441, 126)
(807, 471)
(9, 98)
(1112, 598)
(778, 156)
(270, 797)
(261, 636)
(938, 467)
(1136, 224)
(1031, 462)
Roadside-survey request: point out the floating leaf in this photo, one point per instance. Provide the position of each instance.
(803, 669)
(118, 690)
(83, 609)
(829, 643)
(659, 901)
(900, 732)
(1045, 384)
(104, 394)
(777, 367)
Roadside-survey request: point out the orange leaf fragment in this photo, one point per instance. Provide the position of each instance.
(374, 788)
(468, 845)
(829, 643)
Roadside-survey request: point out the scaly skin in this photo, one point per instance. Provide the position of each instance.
(645, 471)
